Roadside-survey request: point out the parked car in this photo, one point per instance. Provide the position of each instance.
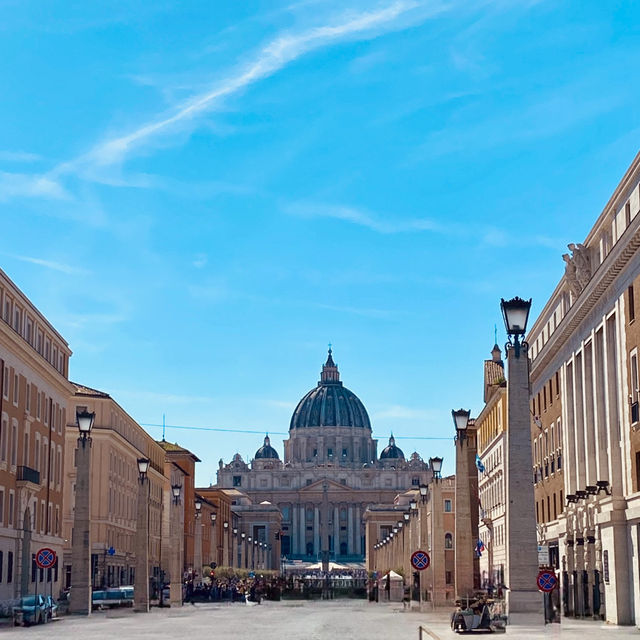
(31, 609)
(52, 607)
(113, 597)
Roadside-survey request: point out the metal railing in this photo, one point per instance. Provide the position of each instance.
(28, 474)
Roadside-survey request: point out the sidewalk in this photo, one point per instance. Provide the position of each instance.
(436, 625)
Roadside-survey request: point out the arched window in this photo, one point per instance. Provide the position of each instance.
(448, 541)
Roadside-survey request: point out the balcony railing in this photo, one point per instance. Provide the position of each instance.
(27, 474)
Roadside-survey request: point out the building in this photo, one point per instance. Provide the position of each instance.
(329, 476)
(490, 426)
(117, 441)
(585, 424)
(34, 365)
(429, 527)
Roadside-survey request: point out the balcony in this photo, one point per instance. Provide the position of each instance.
(27, 474)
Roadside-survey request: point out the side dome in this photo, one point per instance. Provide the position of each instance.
(391, 451)
(330, 404)
(267, 451)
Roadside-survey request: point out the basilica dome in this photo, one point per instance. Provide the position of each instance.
(391, 451)
(267, 451)
(330, 404)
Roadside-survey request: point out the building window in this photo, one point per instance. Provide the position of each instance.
(447, 506)
(28, 398)
(632, 308)
(315, 453)
(330, 452)
(237, 481)
(448, 576)
(448, 541)
(308, 481)
(344, 453)
(10, 566)
(343, 481)
(415, 482)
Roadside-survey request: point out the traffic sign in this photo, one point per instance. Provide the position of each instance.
(420, 560)
(46, 558)
(547, 580)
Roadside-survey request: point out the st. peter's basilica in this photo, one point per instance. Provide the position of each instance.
(330, 474)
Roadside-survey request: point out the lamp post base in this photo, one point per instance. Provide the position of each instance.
(525, 608)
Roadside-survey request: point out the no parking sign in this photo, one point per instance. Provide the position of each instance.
(420, 560)
(547, 580)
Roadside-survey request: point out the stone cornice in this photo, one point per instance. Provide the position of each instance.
(591, 296)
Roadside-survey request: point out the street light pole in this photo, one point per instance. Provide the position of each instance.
(214, 547)
(197, 544)
(436, 511)
(464, 519)
(523, 599)
(80, 601)
(141, 584)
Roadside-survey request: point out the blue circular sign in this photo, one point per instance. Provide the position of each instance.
(420, 560)
(46, 558)
(547, 580)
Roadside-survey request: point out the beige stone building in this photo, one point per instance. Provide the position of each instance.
(329, 476)
(490, 426)
(584, 383)
(117, 441)
(34, 364)
(430, 527)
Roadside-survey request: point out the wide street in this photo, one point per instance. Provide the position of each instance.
(315, 620)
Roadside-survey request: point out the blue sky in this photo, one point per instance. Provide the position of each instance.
(201, 196)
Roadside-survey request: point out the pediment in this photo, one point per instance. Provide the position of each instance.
(333, 487)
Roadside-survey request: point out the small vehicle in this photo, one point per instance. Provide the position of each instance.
(52, 607)
(32, 609)
(476, 615)
(113, 597)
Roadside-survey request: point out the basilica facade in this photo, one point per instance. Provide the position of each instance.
(330, 474)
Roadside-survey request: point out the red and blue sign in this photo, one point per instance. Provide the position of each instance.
(420, 560)
(46, 558)
(547, 580)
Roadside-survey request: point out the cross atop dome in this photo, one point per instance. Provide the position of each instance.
(330, 373)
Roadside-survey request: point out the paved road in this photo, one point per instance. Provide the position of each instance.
(335, 620)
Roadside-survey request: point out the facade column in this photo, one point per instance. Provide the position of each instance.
(336, 531)
(81, 544)
(302, 549)
(357, 547)
(293, 535)
(350, 531)
(316, 531)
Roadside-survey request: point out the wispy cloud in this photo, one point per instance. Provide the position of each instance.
(277, 54)
(18, 156)
(359, 311)
(14, 185)
(360, 217)
(50, 264)
(400, 412)
(280, 52)
(159, 397)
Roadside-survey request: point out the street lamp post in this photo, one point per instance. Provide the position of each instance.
(141, 584)
(249, 552)
(225, 543)
(197, 543)
(464, 518)
(214, 548)
(243, 550)
(436, 528)
(523, 599)
(234, 548)
(176, 529)
(80, 602)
